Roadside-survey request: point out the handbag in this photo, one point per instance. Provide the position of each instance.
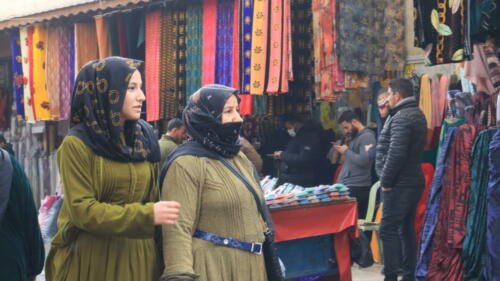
(273, 267)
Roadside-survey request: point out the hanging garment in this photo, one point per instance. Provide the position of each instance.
(5, 106)
(194, 47)
(475, 238)
(355, 80)
(235, 67)
(438, 108)
(39, 93)
(52, 67)
(446, 261)
(152, 68)
(492, 270)
(17, 72)
(484, 18)
(25, 38)
(259, 104)
(287, 64)
(360, 22)
(246, 105)
(442, 29)
(246, 46)
(85, 52)
(428, 170)
(122, 35)
(133, 22)
(180, 49)
(209, 41)
(493, 63)
(168, 60)
(394, 34)
(224, 43)
(114, 43)
(102, 33)
(431, 213)
(275, 46)
(66, 70)
(259, 47)
(425, 104)
(476, 70)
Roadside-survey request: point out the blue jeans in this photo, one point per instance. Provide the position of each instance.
(397, 232)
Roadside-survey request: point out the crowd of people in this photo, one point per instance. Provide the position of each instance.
(205, 218)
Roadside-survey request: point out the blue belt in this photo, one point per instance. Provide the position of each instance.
(255, 248)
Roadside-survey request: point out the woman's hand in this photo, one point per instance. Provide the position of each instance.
(166, 212)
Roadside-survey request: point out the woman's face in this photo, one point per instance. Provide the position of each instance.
(231, 111)
(134, 98)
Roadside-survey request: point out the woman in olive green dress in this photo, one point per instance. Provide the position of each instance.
(108, 165)
(213, 199)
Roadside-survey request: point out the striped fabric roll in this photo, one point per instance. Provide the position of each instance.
(152, 69)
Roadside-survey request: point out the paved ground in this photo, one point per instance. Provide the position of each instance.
(371, 273)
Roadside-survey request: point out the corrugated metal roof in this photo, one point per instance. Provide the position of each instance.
(70, 11)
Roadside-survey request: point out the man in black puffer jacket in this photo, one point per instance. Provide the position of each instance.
(399, 154)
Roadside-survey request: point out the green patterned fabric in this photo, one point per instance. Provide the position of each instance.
(194, 45)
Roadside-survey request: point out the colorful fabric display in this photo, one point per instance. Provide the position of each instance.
(85, 52)
(275, 46)
(492, 270)
(246, 46)
(102, 33)
(52, 69)
(224, 53)
(39, 91)
(66, 70)
(259, 47)
(194, 47)
(17, 72)
(152, 68)
(26, 39)
(209, 41)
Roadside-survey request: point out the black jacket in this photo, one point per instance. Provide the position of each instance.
(401, 146)
(298, 159)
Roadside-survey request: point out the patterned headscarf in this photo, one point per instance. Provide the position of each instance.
(203, 119)
(96, 106)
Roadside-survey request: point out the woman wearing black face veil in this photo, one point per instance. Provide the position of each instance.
(215, 202)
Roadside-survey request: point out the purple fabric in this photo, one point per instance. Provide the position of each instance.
(246, 46)
(17, 72)
(224, 55)
(72, 57)
(65, 73)
(432, 210)
(492, 270)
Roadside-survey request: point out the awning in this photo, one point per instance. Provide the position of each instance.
(70, 11)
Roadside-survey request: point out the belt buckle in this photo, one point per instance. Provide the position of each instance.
(260, 248)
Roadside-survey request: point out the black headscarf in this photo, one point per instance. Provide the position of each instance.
(202, 117)
(96, 106)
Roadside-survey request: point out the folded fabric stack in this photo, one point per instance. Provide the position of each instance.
(293, 195)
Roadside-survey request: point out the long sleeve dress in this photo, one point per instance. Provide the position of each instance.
(106, 223)
(215, 201)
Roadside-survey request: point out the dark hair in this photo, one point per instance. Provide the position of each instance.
(402, 86)
(293, 118)
(348, 116)
(175, 123)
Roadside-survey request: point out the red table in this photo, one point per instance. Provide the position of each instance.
(338, 218)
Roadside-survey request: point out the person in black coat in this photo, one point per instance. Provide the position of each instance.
(300, 154)
(399, 154)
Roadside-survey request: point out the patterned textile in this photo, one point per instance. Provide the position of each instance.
(246, 46)
(180, 86)
(224, 53)
(441, 28)
(446, 262)
(85, 52)
(393, 34)
(66, 71)
(328, 77)
(259, 104)
(361, 48)
(152, 68)
(168, 32)
(493, 64)
(96, 108)
(25, 37)
(53, 66)
(39, 91)
(194, 47)
(235, 76)
(17, 72)
(355, 80)
(259, 47)
(433, 207)
(492, 270)
(275, 46)
(287, 64)
(101, 31)
(209, 41)
(475, 238)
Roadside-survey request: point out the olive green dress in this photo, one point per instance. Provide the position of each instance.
(106, 224)
(215, 201)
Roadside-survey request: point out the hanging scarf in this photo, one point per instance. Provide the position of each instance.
(168, 65)
(52, 68)
(286, 65)
(152, 69)
(236, 46)
(96, 107)
(431, 213)
(114, 43)
(475, 239)
(224, 56)
(66, 66)
(24, 37)
(246, 46)
(492, 270)
(259, 47)
(102, 30)
(180, 63)
(209, 41)
(446, 262)
(17, 71)
(276, 47)
(202, 117)
(85, 52)
(39, 93)
(6, 182)
(194, 47)
(132, 22)
(122, 35)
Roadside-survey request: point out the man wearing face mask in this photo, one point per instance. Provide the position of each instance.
(300, 154)
(356, 171)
